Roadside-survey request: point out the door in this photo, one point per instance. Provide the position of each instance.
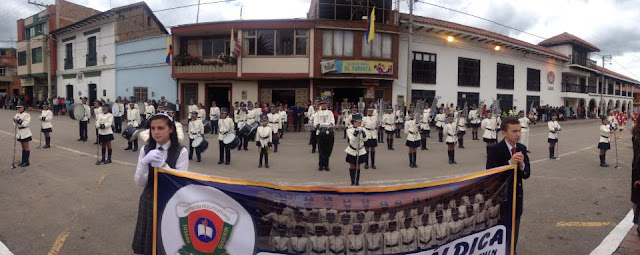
(189, 92)
(219, 94)
(93, 93)
(532, 101)
(69, 91)
(283, 96)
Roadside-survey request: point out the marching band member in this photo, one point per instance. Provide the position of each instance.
(440, 122)
(450, 130)
(400, 115)
(474, 118)
(462, 128)
(370, 123)
(284, 120)
(425, 127)
(149, 110)
(356, 154)
(264, 138)
(132, 120)
(554, 128)
(311, 113)
(202, 113)
(489, 136)
(254, 114)
(413, 138)
(118, 117)
(388, 122)
(622, 122)
(214, 115)
(524, 129)
(225, 126)
(104, 121)
(275, 122)
(192, 107)
(23, 134)
(324, 119)
(97, 110)
(46, 116)
(241, 120)
(163, 150)
(348, 119)
(606, 131)
(196, 129)
(84, 121)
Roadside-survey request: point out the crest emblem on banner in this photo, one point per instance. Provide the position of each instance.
(205, 227)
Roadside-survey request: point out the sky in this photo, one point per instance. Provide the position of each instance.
(608, 24)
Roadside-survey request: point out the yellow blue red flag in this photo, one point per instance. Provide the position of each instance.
(169, 51)
(371, 26)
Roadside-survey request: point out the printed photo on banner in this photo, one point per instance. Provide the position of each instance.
(198, 214)
(336, 66)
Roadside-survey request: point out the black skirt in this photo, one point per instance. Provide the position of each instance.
(487, 140)
(425, 132)
(413, 144)
(389, 132)
(47, 130)
(371, 143)
(462, 132)
(143, 236)
(450, 143)
(604, 146)
(106, 138)
(25, 139)
(351, 159)
(475, 125)
(552, 140)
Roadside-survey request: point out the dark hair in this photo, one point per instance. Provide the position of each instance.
(173, 137)
(510, 120)
(635, 131)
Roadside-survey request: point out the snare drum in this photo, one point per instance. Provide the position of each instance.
(231, 140)
(200, 143)
(131, 133)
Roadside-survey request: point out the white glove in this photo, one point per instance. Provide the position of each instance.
(154, 157)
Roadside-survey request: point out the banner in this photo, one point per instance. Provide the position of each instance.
(465, 215)
(356, 67)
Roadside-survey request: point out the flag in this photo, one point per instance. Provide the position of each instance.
(234, 46)
(371, 27)
(169, 51)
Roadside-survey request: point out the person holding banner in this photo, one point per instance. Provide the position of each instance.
(554, 128)
(508, 152)
(263, 141)
(162, 150)
(356, 153)
(414, 138)
(46, 116)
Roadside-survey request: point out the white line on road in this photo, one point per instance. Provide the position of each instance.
(561, 155)
(4, 250)
(612, 241)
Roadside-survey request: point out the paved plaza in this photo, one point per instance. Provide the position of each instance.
(65, 204)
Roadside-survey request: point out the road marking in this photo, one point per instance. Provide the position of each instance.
(583, 224)
(561, 155)
(4, 250)
(57, 245)
(612, 241)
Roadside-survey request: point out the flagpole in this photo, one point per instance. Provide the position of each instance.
(410, 56)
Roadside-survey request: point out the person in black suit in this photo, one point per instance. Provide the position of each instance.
(508, 152)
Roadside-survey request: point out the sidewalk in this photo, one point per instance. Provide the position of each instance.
(630, 244)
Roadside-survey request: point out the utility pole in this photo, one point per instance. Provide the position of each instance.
(409, 55)
(198, 15)
(605, 58)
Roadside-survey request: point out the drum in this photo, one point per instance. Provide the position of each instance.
(76, 111)
(231, 140)
(245, 130)
(115, 109)
(143, 123)
(131, 133)
(207, 126)
(200, 143)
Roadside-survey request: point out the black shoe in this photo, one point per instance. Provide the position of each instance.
(313, 151)
(46, 147)
(604, 164)
(461, 147)
(450, 162)
(373, 166)
(24, 164)
(260, 165)
(454, 162)
(227, 163)
(220, 162)
(366, 165)
(239, 148)
(319, 168)
(326, 168)
(392, 148)
(135, 149)
(266, 165)
(79, 139)
(246, 149)
(199, 160)
(84, 140)
(552, 157)
(96, 142)
(128, 148)
(108, 161)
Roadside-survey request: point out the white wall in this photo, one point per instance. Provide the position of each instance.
(447, 71)
(250, 86)
(275, 65)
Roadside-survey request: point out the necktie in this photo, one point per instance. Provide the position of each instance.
(513, 150)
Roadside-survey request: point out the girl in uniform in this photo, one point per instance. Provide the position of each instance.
(264, 139)
(45, 118)
(450, 130)
(554, 128)
(356, 153)
(105, 134)
(23, 134)
(604, 144)
(413, 138)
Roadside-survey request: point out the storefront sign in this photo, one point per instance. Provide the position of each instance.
(357, 67)
(28, 82)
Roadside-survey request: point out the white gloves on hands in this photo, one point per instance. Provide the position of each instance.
(154, 157)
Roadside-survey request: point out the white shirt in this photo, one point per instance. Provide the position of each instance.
(48, 115)
(142, 171)
(275, 121)
(370, 123)
(388, 121)
(87, 112)
(23, 129)
(264, 136)
(202, 114)
(132, 117)
(554, 127)
(214, 113)
(225, 126)
(196, 128)
(411, 129)
(105, 119)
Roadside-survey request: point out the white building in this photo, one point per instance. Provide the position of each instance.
(459, 64)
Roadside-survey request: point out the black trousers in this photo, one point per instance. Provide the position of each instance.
(214, 126)
(297, 124)
(325, 147)
(83, 130)
(313, 140)
(225, 152)
(118, 123)
(191, 150)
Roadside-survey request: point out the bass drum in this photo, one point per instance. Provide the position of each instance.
(207, 126)
(200, 143)
(131, 133)
(76, 111)
(231, 140)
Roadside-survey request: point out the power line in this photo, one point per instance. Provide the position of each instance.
(478, 17)
(191, 5)
(625, 68)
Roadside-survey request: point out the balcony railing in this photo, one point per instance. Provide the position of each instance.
(92, 59)
(577, 88)
(583, 61)
(68, 63)
(207, 68)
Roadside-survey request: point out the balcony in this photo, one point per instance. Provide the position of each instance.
(577, 88)
(92, 59)
(226, 68)
(586, 62)
(68, 63)
(186, 64)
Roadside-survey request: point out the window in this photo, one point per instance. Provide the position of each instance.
(68, 61)
(35, 30)
(505, 76)
(470, 98)
(22, 58)
(3, 71)
(36, 55)
(423, 68)
(533, 79)
(418, 94)
(140, 93)
(380, 47)
(468, 72)
(532, 101)
(3, 52)
(506, 102)
(92, 55)
(284, 42)
(214, 47)
(337, 43)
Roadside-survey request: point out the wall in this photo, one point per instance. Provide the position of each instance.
(136, 23)
(250, 86)
(141, 63)
(275, 65)
(105, 81)
(447, 71)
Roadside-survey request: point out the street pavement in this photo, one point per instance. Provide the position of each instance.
(65, 204)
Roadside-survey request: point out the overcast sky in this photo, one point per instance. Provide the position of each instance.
(611, 25)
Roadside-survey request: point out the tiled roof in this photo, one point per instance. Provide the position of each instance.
(565, 38)
(612, 73)
(482, 32)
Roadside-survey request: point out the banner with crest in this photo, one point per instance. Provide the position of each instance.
(469, 214)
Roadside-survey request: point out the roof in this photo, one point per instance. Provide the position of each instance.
(566, 38)
(482, 32)
(108, 14)
(614, 74)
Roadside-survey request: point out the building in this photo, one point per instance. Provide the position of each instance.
(9, 80)
(37, 57)
(141, 70)
(459, 64)
(88, 68)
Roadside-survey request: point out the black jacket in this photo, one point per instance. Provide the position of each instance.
(499, 155)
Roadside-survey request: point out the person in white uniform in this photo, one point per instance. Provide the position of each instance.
(474, 119)
(264, 139)
(46, 127)
(103, 122)
(275, 122)
(356, 153)
(370, 123)
(388, 123)
(22, 120)
(84, 121)
(524, 129)
(214, 116)
(450, 131)
(133, 116)
(400, 116)
(606, 131)
(554, 128)
(196, 129)
(425, 127)
(441, 119)
(225, 126)
(413, 138)
(490, 135)
(462, 128)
